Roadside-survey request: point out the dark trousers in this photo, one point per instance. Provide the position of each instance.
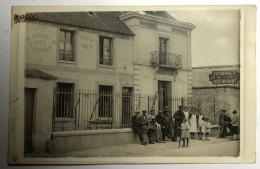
(177, 131)
(140, 134)
(163, 133)
(222, 132)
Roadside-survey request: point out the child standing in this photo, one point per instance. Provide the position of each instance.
(200, 123)
(202, 128)
(208, 128)
(184, 133)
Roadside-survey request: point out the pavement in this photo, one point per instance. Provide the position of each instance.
(213, 147)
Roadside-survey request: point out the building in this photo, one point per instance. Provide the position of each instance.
(215, 88)
(87, 72)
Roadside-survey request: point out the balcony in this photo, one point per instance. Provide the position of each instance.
(166, 60)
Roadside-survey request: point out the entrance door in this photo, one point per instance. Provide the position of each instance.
(164, 92)
(127, 93)
(29, 113)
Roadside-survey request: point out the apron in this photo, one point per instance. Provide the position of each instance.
(193, 124)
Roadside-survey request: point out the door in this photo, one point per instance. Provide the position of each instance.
(126, 106)
(164, 93)
(29, 113)
(162, 50)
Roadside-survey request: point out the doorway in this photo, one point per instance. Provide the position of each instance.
(29, 113)
(164, 94)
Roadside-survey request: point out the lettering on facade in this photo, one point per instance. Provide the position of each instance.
(41, 42)
(224, 77)
(86, 42)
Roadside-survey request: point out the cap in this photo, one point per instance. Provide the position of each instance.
(144, 111)
(180, 106)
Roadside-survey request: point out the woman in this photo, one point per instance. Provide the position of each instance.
(193, 123)
(235, 124)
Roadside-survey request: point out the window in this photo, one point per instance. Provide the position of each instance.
(105, 101)
(66, 45)
(65, 100)
(105, 46)
(162, 50)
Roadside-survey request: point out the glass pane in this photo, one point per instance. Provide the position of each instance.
(62, 36)
(68, 37)
(61, 45)
(68, 46)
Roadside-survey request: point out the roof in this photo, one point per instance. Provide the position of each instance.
(161, 14)
(216, 66)
(35, 73)
(104, 21)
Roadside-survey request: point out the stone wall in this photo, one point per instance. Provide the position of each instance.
(212, 99)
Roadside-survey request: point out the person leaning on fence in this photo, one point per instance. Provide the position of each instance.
(159, 118)
(137, 128)
(235, 125)
(144, 123)
(168, 122)
(178, 117)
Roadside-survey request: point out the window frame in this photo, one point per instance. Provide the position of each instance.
(101, 49)
(72, 39)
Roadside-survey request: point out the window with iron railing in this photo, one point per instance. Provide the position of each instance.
(66, 45)
(105, 51)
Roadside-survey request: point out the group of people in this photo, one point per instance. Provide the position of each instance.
(184, 124)
(229, 127)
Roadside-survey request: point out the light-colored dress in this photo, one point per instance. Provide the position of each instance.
(193, 123)
(185, 130)
(186, 115)
(203, 127)
(208, 127)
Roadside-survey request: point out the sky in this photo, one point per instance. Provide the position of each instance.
(215, 40)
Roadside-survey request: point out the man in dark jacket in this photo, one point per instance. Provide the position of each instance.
(168, 122)
(137, 128)
(178, 116)
(159, 118)
(222, 124)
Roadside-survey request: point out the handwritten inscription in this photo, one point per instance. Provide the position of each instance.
(86, 42)
(41, 42)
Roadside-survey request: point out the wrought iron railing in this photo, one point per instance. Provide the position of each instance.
(89, 110)
(166, 60)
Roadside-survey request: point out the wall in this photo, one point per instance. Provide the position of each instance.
(43, 112)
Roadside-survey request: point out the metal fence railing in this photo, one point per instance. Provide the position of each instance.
(90, 110)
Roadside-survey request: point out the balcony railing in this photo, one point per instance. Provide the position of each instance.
(166, 60)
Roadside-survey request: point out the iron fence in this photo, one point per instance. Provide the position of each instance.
(90, 110)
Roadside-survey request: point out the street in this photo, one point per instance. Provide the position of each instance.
(214, 147)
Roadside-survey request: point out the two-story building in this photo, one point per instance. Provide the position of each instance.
(87, 71)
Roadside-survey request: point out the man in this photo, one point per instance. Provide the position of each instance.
(144, 123)
(168, 122)
(159, 118)
(152, 131)
(223, 121)
(178, 116)
(137, 128)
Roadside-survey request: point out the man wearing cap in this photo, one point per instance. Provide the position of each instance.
(159, 118)
(178, 116)
(137, 128)
(223, 120)
(144, 123)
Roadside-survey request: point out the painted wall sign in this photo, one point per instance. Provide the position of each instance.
(224, 77)
(86, 41)
(41, 42)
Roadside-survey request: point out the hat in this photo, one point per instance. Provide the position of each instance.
(180, 106)
(136, 112)
(144, 111)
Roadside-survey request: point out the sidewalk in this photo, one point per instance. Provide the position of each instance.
(161, 149)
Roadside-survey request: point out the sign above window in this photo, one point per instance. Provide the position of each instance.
(224, 77)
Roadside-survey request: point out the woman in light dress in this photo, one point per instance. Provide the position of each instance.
(200, 125)
(193, 123)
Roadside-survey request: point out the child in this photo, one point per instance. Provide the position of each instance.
(184, 133)
(202, 128)
(208, 128)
